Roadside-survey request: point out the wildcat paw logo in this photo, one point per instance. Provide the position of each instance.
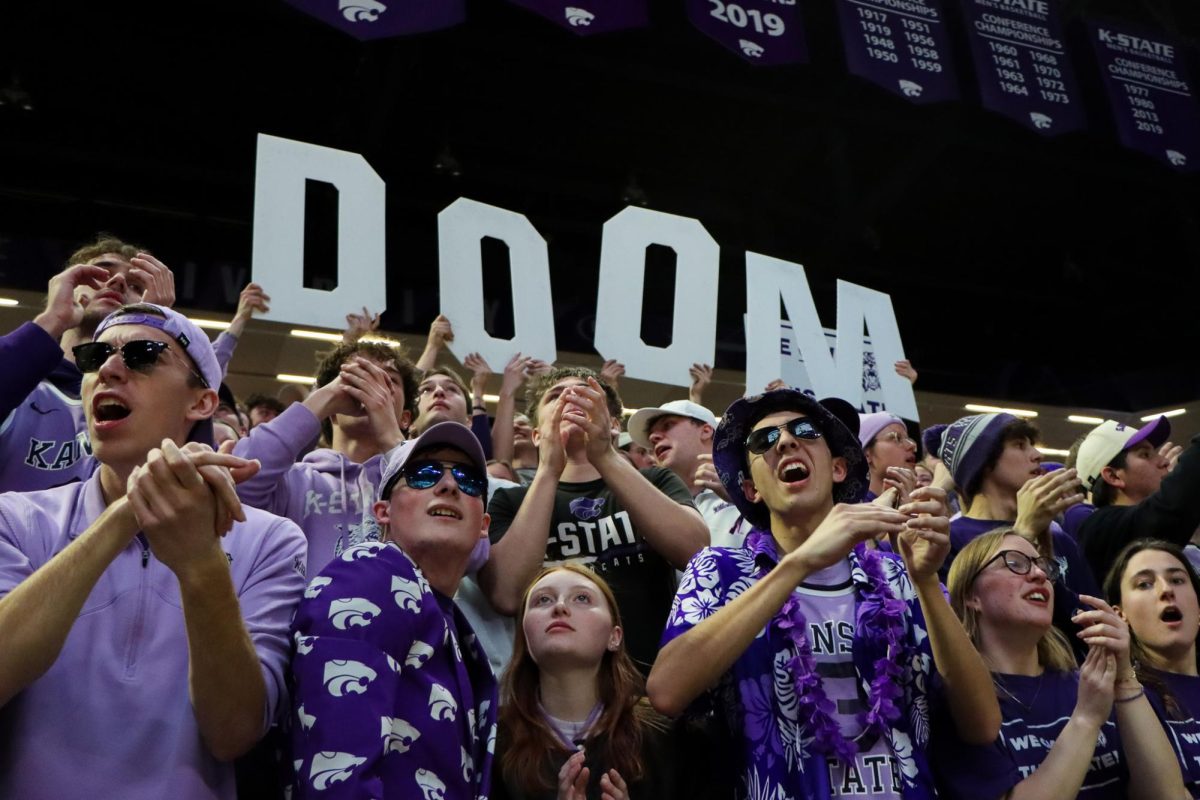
(431, 785)
(304, 644)
(406, 593)
(442, 705)
(352, 612)
(418, 654)
(330, 768)
(752, 49)
(1040, 121)
(1176, 158)
(314, 588)
(911, 88)
(364, 550)
(361, 10)
(398, 736)
(344, 678)
(586, 507)
(578, 17)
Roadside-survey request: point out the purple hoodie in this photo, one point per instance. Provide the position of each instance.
(43, 437)
(111, 717)
(43, 434)
(326, 494)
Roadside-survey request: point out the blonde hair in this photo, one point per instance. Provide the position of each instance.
(1053, 650)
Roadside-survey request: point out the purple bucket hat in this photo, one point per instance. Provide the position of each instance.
(190, 338)
(729, 448)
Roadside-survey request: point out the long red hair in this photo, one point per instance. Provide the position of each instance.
(534, 753)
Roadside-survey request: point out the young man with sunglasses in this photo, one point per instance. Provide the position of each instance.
(43, 438)
(144, 630)
(817, 651)
(393, 694)
(589, 505)
(362, 404)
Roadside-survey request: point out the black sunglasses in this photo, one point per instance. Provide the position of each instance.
(139, 354)
(1021, 564)
(763, 439)
(426, 474)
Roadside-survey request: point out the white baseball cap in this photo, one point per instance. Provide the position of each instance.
(1108, 439)
(641, 422)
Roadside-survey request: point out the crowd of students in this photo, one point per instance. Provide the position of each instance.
(376, 589)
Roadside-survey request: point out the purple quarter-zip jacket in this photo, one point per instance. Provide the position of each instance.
(112, 716)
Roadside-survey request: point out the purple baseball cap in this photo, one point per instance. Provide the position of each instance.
(442, 434)
(729, 446)
(188, 336)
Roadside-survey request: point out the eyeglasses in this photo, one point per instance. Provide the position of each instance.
(896, 438)
(1020, 564)
(426, 474)
(763, 439)
(138, 354)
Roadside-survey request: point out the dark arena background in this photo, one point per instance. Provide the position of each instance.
(1053, 270)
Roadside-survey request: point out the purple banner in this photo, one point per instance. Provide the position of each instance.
(379, 19)
(901, 46)
(1151, 97)
(586, 17)
(764, 32)
(1022, 64)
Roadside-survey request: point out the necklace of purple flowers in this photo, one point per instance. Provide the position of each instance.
(879, 620)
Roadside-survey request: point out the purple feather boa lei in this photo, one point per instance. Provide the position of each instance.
(880, 621)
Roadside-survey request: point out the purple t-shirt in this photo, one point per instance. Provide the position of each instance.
(1183, 728)
(111, 717)
(394, 698)
(1034, 710)
(1074, 516)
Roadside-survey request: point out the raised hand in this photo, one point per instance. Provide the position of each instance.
(177, 507)
(707, 478)
(701, 378)
(368, 384)
(359, 325)
(1097, 678)
(1042, 499)
(843, 527)
(63, 311)
(612, 371)
(904, 369)
(514, 373)
(573, 778)
(154, 278)
(587, 408)
(924, 542)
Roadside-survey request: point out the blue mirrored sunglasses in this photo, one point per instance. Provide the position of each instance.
(426, 474)
(763, 439)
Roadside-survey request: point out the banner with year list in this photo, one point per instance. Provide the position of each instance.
(764, 32)
(373, 19)
(901, 46)
(1022, 64)
(587, 17)
(1152, 98)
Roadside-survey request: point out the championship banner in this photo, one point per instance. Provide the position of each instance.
(1151, 97)
(764, 32)
(901, 46)
(372, 19)
(586, 17)
(1022, 64)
